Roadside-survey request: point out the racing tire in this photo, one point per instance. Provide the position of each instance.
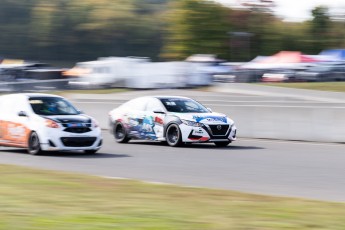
(173, 135)
(91, 151)
(120, 133)
(222, 143)
(34, 146)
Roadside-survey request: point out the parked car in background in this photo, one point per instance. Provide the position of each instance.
(45, 122)
(176, 120)
(322, 72)
(31, 76)
(278, 75)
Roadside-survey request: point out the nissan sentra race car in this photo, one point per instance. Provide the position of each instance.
(176, 120)
(45, 122)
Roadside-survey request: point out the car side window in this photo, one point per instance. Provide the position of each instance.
(154, 105)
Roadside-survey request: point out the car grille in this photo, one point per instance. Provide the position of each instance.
(77, 130)
(77, 127)
(219, 130)
(81, 124)
(78, 141)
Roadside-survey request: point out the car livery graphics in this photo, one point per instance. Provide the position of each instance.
(45, 122)
(13, 134)
(163, 123)
(142, 128)
(210, 118)
(209, 126)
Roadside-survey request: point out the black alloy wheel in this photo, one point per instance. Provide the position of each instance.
(173, 135)
(34, 147)
(120, 133)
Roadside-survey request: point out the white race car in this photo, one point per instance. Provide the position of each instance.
(45, 122)
(176, 120)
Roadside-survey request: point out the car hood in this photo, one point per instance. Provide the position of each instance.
(205, 118)
(70, 118)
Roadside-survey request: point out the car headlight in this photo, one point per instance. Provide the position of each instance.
(191, 123)
(95, 123)
(51, 124)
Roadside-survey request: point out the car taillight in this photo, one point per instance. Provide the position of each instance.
(51, 124)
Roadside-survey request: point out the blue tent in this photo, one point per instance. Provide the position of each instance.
(337, 54)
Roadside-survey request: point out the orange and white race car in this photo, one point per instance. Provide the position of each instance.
(44, 122)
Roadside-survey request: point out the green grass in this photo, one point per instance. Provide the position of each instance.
(36, 199)
(324, 86)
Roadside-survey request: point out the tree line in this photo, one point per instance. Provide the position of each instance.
(76, 30)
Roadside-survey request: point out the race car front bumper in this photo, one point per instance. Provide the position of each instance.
(208, 133)
(59, 140)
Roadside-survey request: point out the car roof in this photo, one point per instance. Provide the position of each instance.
(161, 97)
(28, 95)
(167, 97)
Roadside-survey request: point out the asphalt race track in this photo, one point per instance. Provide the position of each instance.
(284, 168)
(296, 169)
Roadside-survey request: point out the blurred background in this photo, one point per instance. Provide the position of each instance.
(168, 43)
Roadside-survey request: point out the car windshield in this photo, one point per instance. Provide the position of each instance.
(52, 106)
(183, 105)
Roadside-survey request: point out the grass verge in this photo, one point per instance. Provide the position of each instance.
(324, 86)
(37, 199)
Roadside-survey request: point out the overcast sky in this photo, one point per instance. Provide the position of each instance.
(298, 10)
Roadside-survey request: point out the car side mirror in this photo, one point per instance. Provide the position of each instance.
(210, 110)
(159, 111)
(22, 114)
(80, 111)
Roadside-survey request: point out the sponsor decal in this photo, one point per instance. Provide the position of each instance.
(13, 134)
(143, 128)
(194, 137)
(191, 136)
(209, 118)
(16, 131)
(76, 125)
(198, 132)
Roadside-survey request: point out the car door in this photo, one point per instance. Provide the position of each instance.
(2, 123)
(135, 114)
(153, 120)
(6, 122)
(14, 125)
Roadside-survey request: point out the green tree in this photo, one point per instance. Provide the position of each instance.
(84, 30)
(77, 30)
(196, 27)
(320, 28)
(15, 16)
